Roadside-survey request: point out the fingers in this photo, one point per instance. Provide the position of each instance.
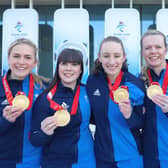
(162, 101)
(48, 125)
(11, 113)
(125, 108)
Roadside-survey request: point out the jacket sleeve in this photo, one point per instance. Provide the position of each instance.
(137, 97)
(136, 120)
(4, 125)
(40, 112)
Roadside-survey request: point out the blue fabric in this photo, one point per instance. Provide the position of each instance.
(85, 144)
(116, 138)
(162, 128)
(31, 154)
(155, 133)
(69, 146)
(136, 162)
(125, 146)
(15, 148)
(123, 141)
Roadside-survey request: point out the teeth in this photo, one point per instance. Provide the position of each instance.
(155, 57)
(20, 68)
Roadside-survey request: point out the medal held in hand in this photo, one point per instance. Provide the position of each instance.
(154, 89)
(20, 100)
(62, 117)
(121, 94)
(117, 92)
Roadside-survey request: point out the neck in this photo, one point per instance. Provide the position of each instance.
(113, 77)
(158, 70)
(69, 85)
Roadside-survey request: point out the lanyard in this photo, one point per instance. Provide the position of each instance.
(57, 107)
(115, 86)
(165, 80)
(9, 93)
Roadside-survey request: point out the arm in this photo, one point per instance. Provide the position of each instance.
(136, 120)
(8, 117)
(38, 136)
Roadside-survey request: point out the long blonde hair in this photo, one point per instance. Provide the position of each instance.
(37, 78)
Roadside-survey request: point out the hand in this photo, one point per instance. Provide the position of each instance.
(48, 125)
(162, 101)
(11, 113)
(125, 108)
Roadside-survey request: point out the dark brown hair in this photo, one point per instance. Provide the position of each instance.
(67, 55)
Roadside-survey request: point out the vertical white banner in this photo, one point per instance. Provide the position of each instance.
(162, 23)
(71, 30)
(18, 23)
(125, 24)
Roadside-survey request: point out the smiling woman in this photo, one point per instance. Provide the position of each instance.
(17, 94)
(155, 75)
(116, 98)
(62, 115)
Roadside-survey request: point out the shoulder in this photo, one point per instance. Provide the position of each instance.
(98, 79)
(41, 100)
(130, 78)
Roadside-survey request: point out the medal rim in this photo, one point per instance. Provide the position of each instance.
(125, 91)
(150, 88)
(26, 99)
(68, 117)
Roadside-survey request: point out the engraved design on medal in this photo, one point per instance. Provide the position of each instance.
(21, 101)
(153, 90)
(62, 117)
(120, 94)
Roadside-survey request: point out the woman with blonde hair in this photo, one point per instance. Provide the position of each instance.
(19, 88)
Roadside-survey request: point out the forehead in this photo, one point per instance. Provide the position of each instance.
(153, 39)
(23, 48)
(111, 46)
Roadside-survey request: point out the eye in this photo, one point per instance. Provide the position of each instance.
(75, 64)
(147, 48)
(117, 55)
(28, 57)
(16, 56)
(158, 47)
(106, 55)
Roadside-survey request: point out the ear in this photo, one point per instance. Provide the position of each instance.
(35, 63)
(124, 57)
(99, 57)
(165, 51)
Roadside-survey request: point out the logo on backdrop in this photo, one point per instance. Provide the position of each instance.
(121, 26)
(18, 31)
(19, 26)
(122, 30)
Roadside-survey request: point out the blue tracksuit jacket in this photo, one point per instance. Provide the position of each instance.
(155, 134)
(116, 138)
(16, 150)
(70, 146)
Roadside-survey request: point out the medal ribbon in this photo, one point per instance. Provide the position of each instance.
(57, 107)
(165, 80)
(115, 86)
(9, 95)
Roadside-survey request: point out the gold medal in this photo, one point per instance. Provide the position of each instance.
(120, 94)
(62, 117)
(153, 90)
(21, 101)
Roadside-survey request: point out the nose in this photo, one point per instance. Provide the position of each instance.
(21, 60)
(111, 61)
(69, 67)
(153, 49)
